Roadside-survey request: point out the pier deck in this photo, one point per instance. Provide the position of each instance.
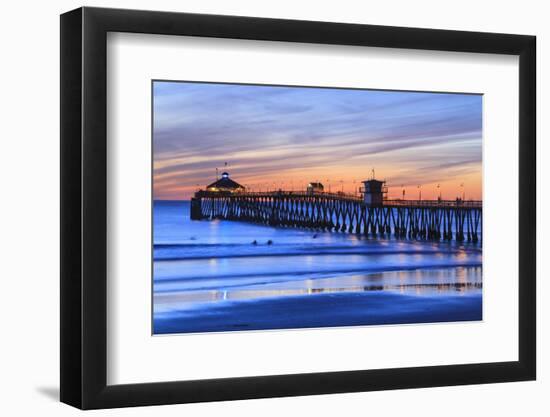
(415, 219)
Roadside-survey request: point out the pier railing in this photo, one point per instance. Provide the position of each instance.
(416, 219)
(434, 203)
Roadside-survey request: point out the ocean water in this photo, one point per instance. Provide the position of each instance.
(210, 276)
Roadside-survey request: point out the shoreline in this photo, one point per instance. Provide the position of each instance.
(321, 311)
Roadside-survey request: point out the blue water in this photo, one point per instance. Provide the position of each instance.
(210, 276)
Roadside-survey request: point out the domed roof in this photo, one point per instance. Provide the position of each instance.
(225, 183)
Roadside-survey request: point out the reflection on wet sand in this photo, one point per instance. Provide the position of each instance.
(452, 281)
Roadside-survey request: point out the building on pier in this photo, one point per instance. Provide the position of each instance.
(225, 185)
(315, 187)
(374, 192)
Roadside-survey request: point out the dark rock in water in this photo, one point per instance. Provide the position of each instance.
(254, 242)
(315, 236)
(192, 238)
(270, 242)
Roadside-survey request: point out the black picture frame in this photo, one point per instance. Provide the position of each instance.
(84, 207)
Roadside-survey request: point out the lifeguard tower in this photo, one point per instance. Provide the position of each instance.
(374, 191)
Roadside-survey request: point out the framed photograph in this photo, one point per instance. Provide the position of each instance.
(257, 208)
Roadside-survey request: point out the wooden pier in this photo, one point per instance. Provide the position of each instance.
(433, 220)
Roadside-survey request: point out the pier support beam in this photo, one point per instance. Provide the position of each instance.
(196, 209)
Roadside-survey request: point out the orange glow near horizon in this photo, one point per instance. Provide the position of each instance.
(470, 187)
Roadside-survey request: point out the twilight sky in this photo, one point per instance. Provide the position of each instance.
(285, 137)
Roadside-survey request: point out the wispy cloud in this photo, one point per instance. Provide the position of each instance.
(289, 134)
